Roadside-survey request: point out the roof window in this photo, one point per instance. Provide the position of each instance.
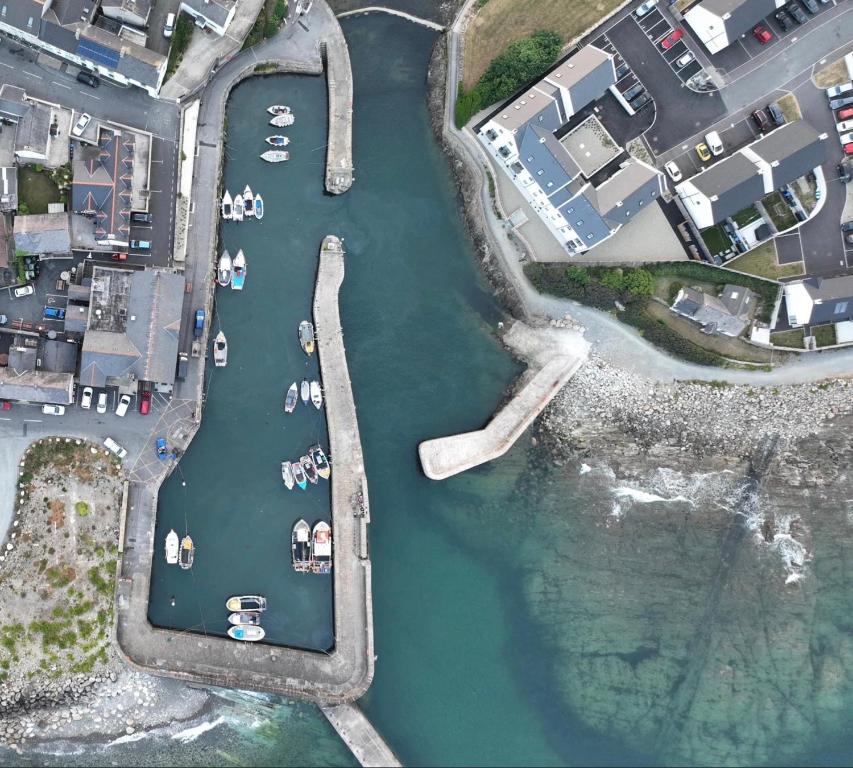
(840, 307)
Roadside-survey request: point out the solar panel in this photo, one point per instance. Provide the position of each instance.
(98, 53)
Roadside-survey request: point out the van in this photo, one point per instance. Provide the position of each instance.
(183, 365)
(141, 217)
(715, 143)
(837, 90)
(169, 26)
(115, 447)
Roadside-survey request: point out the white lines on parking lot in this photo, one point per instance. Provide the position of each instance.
(61, 85)
(33, 421)
(8, 66)
(91, 95)
(32, 74)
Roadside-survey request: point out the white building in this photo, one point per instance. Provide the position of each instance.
(211, 14)
(719, 23)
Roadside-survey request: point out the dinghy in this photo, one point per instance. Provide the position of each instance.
(275, 156)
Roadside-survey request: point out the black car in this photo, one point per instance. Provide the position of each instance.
(88, 78)
(797, 12)
(847, 226)
(623, 70)
(811, 6)
(761, 120)
(138, 217)
(634, 91)
(640, 102)
(785, 21)
(776, 113)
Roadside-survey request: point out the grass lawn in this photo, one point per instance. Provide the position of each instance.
(790, 108)
(781, 213)
(36, 190)
(501, 22)
(761, 261)
(716, 240)
(746, 216)
(831, 74)
(824, 335)
(793, 339)
(806, 191)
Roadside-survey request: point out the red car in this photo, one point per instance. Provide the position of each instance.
(672, 38)
(845, 114)
(762, 34)
(5, 405)
(145, 403)
(848, 148)
(119, 257)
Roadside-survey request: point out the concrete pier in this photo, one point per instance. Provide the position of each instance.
(339, 171)
(360, 736)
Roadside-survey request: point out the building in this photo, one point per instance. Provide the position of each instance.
(211, 14)
(46, 235)
(36, 386)
(35, 353)
(8, 190)
(553, 176)
(133, 328)
(33, 121)
(727, 315)
(819, 301)
(719, 23)
(738, 181)
(68, 29)
(134, 12)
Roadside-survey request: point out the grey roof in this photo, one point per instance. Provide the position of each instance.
(59, 36)
(33, 130)
(624, 194)
(739, 301)
(582, 215)
(832, 297)
(744, 14)
(709, 311)
(142, 65)
(547, 162)
(793, 150)
(70, 11)
(215, 10)
(23, 14)
(43, 233)
(13, 102)
(735, 182)
(532, 105)
(141, 8)
(58, 356)
(36, 386)
(23, 353)
(586, 75)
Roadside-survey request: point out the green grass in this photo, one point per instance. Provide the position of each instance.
(81, 508)
(268, 23)
(761, 262)
(716, 240)
(824, 335)
(746, 216)
(779, 211)
(793, 339)
(35, 190)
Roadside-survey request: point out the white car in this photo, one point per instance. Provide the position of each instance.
(81, 124)
(24, 290)
(53, 410)
(683, 61)
(102, 403)
(845, 126)
(86, 400)
(115, 447)
(645, 8)
(123, 403)
(672, 170)
(715, 143)
(837, 90)
(169, 26)
(846, 138)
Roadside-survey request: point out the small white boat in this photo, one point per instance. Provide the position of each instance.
(300, 546)
(187, 553)
(277, 141)
(172, 546)
(318, 456)
(240, 603)
(238, 276)
(275, 155)
(291, 398)
(238, 208)
(321, 548)
(248, 202)
(259, 207)
(308, 467)
(287, 474)
(305, 391)
(282, 121)
(299, 475)
(279, 109)
(227, 210)
(220, 350)
(250, 619)
(316, 395)
(306, 337)
(223, 270)
(247, 633)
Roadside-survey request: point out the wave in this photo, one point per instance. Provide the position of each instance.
(644, 497)
(191, 734)
(129, 738)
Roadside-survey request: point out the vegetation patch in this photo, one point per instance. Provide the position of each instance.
(35, 190)
(81, 508)
(824, 335)
(268, 23)
(779, 210)
(716, 240)
(181, 36)
(761, 261)
(790, 108)
(746, 216)
(793, 339)
(832, 74)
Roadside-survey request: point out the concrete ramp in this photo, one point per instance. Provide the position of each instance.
(360, 736)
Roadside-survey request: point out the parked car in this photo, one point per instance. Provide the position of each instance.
(145, 403)
(785, 21)
(81, 124)
(715, 143)
(640, 102)
(169, 26)
(140, 217)
(811, 6)
(54, 313)
(844, 101)
(88, 78)
(845, 174)
(761, 120)
(123, 404)
(634, 91)
(671, 39)
(119, 257)
(683, 61)
(848, 149)
(702, 151)
(86, 399)
(844, 114)
(844, 126)
(53, 410)
(846, 138)
(198, 328)
(776, 113)
(847, 226)
(24, 290)
(113, 446)
(673, 171)
(3, 319)
(140, 245)
(102, 403)
(838, 90)
(183, 366)
(762, 34)
(797, 12)
(645, 8)
(5, 405)
(622, 70)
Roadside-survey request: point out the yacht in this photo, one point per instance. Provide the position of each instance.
(275, 155)
(299, 475)
(309, 469)
(242, 603)
(187, 553)
(237, 214)
(291, 398)
(287, 474)
(279, 109)
(316, 395)
(252, 619)
(248, 202)
(282, 121)
(305, 391)
(320, 461)
(277, 141)
(247, 633)
(259, 207)
(220, 350)
(172, 546)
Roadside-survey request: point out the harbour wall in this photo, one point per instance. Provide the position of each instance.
(363, 740)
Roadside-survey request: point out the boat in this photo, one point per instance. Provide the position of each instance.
(238, 208)
(172, 545)
(250, 619)
(320, 461)
(279, 109)
(299, 475)
(316, 395)
(300, 546)
(275, 155)
(287, 474)
(321, 548)
(309, 468)
(282, 121)
(247, 633)
(223, 270)
(305, 391)
(291, 398)
(243, 603)
(238, 276)
(187, 553)
(306, 337)
(277, 141)
(227, 206)
(248, 202)
(220, 350)
(259, 207)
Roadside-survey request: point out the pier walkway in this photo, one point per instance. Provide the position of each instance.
(394, 12)
(360, 736)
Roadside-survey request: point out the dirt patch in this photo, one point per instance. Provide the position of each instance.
(832, 74)
(790, 108)
(56, 519)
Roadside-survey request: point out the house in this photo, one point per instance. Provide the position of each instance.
(719, 23)
(8, 190)
(727, 315)
(134, 12)
(29, 353)
(739, 180)
(818, 301)
(133, 328)
(211, 14)
(36, 386)
(47, 235)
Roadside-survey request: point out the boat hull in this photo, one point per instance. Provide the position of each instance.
(187, 554)
(287, 475)
(243, 603)
(316, 395)
(291, 398)
(248, 633)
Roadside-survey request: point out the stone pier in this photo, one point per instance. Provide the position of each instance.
(360, 736)
(339, 171)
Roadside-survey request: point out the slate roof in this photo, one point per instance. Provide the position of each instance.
(8, 189)
(587, 222)
(33, 130)
(545, 159)
(43, 233)
(215, 10)
(36, 386)
(709, 311)
(793, 150)
(738, 300)
(13, 103)
(141, 8)
(58, 356)
(744, 14)
(832, 297)
(627, 192)
(23, 14)
(586, 75)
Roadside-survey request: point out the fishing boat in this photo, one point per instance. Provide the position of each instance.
(247, 633)
(279, 109)
(287, 474)
(259, 207)
(248, 202)
(282, 121)
(238, 208)
(243, 603)
(309, 468)
(250, 619)
(187, 553)
(227, 210)
(316, 395)
(220, 350)
(305, 391)
(238, 276)
(172, 545)
(223, 269)
(275, 155)
(299, 475)
(300, 546)
(291, 398)
(320, 461)
(306, 337)
(321, 548)
(277, 141)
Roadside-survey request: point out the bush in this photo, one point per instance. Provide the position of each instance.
(81, 508)
(661, 335)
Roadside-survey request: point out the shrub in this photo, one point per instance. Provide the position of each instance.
(81, 508)
(661, 335)
(674, 289)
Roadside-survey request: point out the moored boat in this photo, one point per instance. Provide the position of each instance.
(306, 337)
(187, 553)
(309, 469)
(238, 275)
(227, 206)
(299, 475)
(300, 546)
(250, 619)
(305, 391)
(243, 603)
(279, 109)
(223, 269)
(275, 155)
(220, 350)
(277, 141)
(321, 548)
(318, 456)
(172, 546)
(237, 214)
(259, 207)
(247, 633)
(282, 121)
(287, 474)
(291, 398)
(316, 395)
(248, 202)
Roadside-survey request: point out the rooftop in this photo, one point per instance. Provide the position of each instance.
(215, 10)
(591, 146)
(43, 233)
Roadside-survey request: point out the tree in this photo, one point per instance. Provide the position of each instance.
(614, 280)
(639, 282)
(578, 275)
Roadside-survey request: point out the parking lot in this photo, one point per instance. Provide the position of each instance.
(661, 33)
